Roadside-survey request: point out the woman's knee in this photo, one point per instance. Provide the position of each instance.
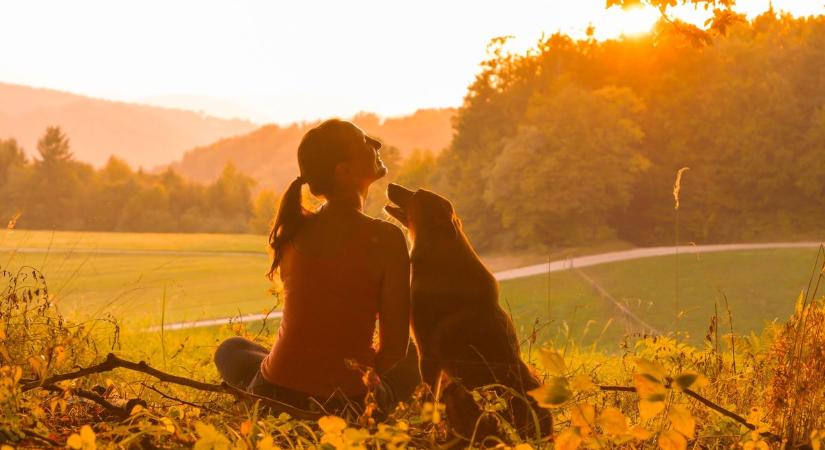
(228, 347)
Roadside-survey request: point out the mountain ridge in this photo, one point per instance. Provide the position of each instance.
(142, 135)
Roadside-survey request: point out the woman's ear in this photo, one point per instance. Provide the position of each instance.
(343, 173)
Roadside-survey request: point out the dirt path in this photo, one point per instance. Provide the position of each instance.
(555, 266)
(637, 253)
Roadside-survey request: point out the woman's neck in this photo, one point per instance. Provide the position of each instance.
(350, 201)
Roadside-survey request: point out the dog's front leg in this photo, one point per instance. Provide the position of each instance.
(430, 373)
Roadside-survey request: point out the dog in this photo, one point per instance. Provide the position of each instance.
(458, 327)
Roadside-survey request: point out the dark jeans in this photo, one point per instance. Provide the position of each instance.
(239, 360)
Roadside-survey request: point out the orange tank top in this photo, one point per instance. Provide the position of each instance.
(329, 315)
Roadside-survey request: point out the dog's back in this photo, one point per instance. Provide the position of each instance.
(461, 329)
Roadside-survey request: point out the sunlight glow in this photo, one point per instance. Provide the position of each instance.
(286, 61)
(633, 21)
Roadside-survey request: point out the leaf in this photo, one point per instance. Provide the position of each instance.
(762, 445)
(671, 440)
(582, 383)
(554, 393)
(612, 421)
(209, 438)
(686, 380)
(38, 366)
(650, 368)
(355, 436)
(331, 424)
(682, 420)
(553, 362)
(649, 388)
(649, 410)
(74, 441)
(85, 440)
(583, 416)
(167, 424)
(639, 432)
(568, 439)
(267, 443)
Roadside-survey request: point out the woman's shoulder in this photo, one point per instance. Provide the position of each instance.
(384, 232)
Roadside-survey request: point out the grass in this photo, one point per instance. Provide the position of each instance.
(91, 240)
(759, 285)
(158, 287)
(131, 287)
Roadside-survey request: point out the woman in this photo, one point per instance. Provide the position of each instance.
(340, 270)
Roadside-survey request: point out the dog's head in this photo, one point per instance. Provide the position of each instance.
(427, 215)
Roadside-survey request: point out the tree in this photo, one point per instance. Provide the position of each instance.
(53, 147)
(12, 171)
(11, 155)
(263, 212)
(571, 163)
(54, 199)
(417, 170)
(230, 199)
(112, 188)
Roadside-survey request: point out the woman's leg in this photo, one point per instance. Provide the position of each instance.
(238, 360)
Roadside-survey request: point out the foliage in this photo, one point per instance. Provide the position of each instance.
(647, 396)
(743, 112)
(59, 193)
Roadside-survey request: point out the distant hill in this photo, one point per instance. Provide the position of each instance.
(142, 135)
(268, 154)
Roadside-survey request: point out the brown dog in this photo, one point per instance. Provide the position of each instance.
(458, 326)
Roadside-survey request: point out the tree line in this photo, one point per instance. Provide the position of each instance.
(56, 192)
(579, 141)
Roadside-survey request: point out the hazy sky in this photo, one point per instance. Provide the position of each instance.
(285, 61)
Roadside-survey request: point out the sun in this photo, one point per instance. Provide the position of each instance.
(629, 21)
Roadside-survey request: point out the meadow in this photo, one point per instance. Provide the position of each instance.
(110, 287)
(135, 276)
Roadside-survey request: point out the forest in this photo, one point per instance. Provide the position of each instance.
(589, 137)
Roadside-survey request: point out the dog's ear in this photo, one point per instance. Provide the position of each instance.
(449, 225)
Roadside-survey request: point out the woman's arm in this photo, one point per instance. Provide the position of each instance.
(394, 304)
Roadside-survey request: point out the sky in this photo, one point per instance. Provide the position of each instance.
(279, 61)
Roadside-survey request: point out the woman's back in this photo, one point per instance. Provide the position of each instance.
(332, 284)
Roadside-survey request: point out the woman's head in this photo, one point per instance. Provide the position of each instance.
(338, 156)
(335, 158)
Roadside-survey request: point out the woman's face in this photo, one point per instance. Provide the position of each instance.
(364, 164)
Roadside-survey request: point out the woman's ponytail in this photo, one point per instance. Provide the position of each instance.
(291, 214)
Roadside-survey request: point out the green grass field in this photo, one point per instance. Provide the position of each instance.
(759, 285)
(226, 278)
(89, 240)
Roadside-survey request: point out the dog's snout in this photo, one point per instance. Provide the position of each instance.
(399, 194)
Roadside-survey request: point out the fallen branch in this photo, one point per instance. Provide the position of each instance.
(179, 400)
(113, 362)
(702, 400)
(117, 411)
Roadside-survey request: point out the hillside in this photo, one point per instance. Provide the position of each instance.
(142, 135)
(268, 153)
